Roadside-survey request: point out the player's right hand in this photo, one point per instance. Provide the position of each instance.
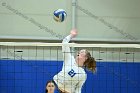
(74, 33)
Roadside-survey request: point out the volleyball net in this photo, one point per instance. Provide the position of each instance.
(118, 66)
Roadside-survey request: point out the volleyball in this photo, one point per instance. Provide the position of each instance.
(59, 15)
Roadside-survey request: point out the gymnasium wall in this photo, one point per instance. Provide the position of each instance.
(30, 76)
(95, 20)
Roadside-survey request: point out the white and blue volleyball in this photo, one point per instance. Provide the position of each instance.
(60, 15)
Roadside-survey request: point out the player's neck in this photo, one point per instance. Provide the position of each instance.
(79, 63)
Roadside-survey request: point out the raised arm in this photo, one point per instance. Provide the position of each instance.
(66, 49)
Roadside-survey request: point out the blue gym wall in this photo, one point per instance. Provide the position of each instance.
(22, 76)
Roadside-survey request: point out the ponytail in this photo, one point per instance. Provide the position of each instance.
(90, 63)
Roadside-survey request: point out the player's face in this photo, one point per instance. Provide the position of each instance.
(82, 55)
(50, 87)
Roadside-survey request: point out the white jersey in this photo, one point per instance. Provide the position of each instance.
(71, 78)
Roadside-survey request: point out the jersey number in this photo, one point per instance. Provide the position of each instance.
(71, 73)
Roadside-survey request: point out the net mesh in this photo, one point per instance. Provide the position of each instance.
(26, 68)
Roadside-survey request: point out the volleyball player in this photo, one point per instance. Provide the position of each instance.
(72, 76)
